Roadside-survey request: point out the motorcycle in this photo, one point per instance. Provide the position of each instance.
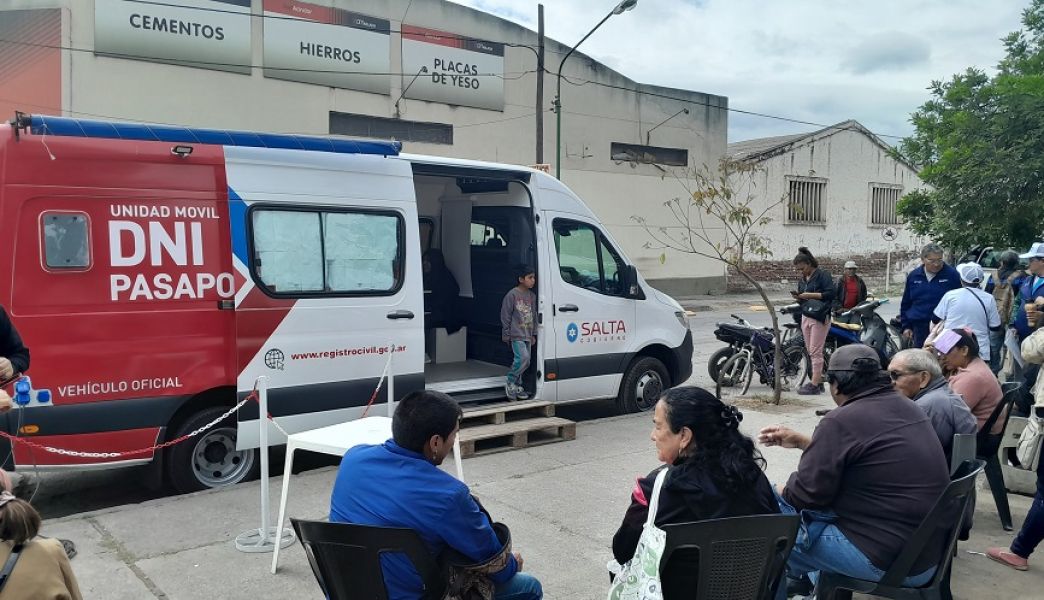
(858, 325)
(737, 335)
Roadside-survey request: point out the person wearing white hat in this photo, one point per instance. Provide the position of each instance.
(850, 288)
(1032, 289)
(970, 307)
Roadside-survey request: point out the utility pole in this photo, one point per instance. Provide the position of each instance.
(540, 87)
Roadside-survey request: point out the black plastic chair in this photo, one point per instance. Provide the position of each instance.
(739, 558)
(988, 444)
(942, 524)
(346, 558)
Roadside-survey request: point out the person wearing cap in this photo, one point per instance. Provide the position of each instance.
(1032, 288)
(867, 477)
(850, 289)
(970, 307)
(925, 286)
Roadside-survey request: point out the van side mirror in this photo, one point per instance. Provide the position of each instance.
(630, 283)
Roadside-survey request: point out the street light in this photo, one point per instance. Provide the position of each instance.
(622, 7)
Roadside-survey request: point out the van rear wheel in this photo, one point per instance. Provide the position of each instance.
(643, 384)
(210, 459)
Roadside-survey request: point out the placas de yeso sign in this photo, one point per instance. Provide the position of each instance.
(461, 70)
(212, 34)
(326, 46)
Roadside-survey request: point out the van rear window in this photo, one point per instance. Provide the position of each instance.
(305, 252)
(66, 240)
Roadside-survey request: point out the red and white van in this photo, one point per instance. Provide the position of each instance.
(155, 272)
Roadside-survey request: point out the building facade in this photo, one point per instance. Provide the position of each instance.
(442, 78)
(834, 191)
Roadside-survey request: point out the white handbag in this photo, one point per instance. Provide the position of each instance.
(639, 578)
(1028, 450)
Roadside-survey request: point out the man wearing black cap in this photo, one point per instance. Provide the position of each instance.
(868, 475)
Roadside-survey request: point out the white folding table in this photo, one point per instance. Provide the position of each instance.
(336, 440)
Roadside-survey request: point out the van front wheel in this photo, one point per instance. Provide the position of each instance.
(210, 459)
(643, 384)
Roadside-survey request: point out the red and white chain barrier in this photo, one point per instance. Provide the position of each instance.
(253, 395)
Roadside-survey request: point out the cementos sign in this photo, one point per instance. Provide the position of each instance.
(460, 70)
(326, 46)
(212, 34)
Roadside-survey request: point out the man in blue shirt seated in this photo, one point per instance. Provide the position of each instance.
(399, 484)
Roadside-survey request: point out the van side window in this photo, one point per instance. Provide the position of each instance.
(66, 240)
(320, 252)
(585, 258)
(489, 234)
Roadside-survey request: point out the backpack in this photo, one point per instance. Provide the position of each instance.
(1005, 297)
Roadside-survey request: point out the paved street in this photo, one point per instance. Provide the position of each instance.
(68, 493)
(562, 501)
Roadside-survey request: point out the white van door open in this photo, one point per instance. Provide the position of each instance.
(592, 315)
(329, 251)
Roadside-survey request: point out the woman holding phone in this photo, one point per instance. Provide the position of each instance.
(815, 293)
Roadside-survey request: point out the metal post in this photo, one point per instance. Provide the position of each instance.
(888, 272)
(267, 537)
(262, 392)
(540, 86)
(391, 381)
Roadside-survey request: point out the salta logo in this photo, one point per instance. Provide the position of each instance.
(572, 332)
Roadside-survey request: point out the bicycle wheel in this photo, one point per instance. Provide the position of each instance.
(796, 367)
(734, 373)
(750, 377)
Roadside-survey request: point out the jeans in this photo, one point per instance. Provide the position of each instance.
(997, 350)
(821, 546)
(920, 329)
(522, 586)
(520, 364)
(1032, 531)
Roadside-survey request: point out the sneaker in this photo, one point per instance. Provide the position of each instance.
(1006, 557)
(810, 390)
(510, 391)
(521, 393)
(799, 587)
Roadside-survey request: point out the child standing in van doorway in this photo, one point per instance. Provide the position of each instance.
(517, 319)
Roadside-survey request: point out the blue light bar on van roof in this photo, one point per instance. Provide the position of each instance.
(44, 125)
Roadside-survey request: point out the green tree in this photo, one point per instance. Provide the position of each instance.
(979, 142)
(720, 218)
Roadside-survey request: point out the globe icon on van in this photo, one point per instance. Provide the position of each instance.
(274, 359)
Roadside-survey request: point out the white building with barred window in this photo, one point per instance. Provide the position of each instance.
(839, 188)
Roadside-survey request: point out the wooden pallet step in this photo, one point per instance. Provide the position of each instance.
(487, 439)
(503, 412)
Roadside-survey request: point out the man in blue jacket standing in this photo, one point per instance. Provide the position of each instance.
(925, 287)
(1032, 288)
(399, 484)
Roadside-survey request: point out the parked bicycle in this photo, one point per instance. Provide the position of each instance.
(737, 335)
(756, 356)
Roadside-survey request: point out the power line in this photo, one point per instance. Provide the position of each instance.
(583, 82)
(448, 35)
(132, 119)
(507, 75)
(513, 76)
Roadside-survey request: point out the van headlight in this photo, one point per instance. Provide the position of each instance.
(682, 318)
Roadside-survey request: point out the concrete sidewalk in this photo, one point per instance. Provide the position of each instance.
(562, 501)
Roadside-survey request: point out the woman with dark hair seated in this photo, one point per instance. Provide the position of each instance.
(970, 376)
(713, 471)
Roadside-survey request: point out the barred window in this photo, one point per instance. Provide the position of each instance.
(884, 199)
(805, 201)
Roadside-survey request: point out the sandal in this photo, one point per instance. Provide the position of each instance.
(1008, 558)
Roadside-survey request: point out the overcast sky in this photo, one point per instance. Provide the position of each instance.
(822, 61)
